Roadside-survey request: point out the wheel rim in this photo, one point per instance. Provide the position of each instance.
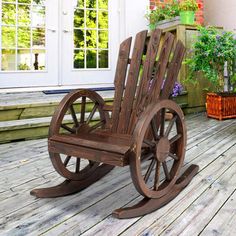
(160, 151)
(71, 118)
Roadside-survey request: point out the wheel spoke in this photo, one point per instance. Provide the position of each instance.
(154, 128)
(149, 170)
(99, 124)
(149, 143)
(170, 126)
(73, 114)
(67, 128)
(77, 167)
(167, 174)
(92, 113)
(82, 115)
(147, 156)
(162, 128)
(67, 161)
(175, 138)
(173, 156)
(157, 176)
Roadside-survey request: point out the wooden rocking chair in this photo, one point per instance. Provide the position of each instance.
(134, 131)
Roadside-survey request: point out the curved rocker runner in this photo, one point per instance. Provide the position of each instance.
(143, 128)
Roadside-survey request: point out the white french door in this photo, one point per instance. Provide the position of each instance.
(29, 43)
(58, 42)
(90, 38)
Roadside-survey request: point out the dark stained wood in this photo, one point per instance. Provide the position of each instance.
(132, 80)
(110, 158)
(120, 77)
(146, 130)
(161, 68)
(95, 141)
(174, 66)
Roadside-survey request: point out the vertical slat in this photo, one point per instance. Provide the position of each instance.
(120, 77)
(161, 68)
(148, 67)
(173, 70)
(131, 85)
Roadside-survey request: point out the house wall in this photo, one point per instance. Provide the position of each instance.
(199, 13)
(225, 17)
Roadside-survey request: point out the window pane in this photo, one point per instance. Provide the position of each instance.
(103, 39)
(91, 3)
(39, 59)
(91, 38)
(9, 14)
(24, 15)
(78, 38)
(103, 19)
(38, 38)
(38, 16)
(8, 60)
(23, 59)
(79, 59)
(103, 59)
(8, 37)
(103, 4)
(25, 1)
(91, 58)
(79, 18)
(23, 37)
(91, 17)
(80, 3)
(38, 2)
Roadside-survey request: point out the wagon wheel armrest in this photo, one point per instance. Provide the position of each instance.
(144, 120)
(138, 129)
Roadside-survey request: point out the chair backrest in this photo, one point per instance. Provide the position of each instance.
(139, 80)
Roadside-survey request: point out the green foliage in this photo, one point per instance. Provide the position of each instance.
(210, 52)
(163, 12)
(188, 5)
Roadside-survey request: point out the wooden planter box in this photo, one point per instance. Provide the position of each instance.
(221, 105)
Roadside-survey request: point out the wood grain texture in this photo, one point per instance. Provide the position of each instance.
(88, 213)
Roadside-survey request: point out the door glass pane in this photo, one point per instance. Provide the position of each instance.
(8, 60)
(8, 14)
(91, 58)
(91, 34)
(79, 59)
(103, 59)
(23, 60)
(23, 37)
(8, 37)
(24, 15)
(39, 59)
(22, 32)
(38, 37)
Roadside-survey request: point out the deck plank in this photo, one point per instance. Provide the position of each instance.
(224, 221)
(211, 145)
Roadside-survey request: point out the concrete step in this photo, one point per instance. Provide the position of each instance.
(26, 116)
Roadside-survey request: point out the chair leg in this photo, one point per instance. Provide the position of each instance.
(71, 186)
(148, 205)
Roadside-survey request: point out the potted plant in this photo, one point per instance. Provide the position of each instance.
(187, 9)
(214, 54)
(162, 13)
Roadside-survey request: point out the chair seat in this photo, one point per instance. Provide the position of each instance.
(98, 146)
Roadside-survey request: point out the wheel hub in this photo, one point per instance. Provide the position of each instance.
(162, 149)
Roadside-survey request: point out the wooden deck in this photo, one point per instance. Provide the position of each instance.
(206, 207)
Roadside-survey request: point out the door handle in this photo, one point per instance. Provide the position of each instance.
(66, 31)
(52, 30)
